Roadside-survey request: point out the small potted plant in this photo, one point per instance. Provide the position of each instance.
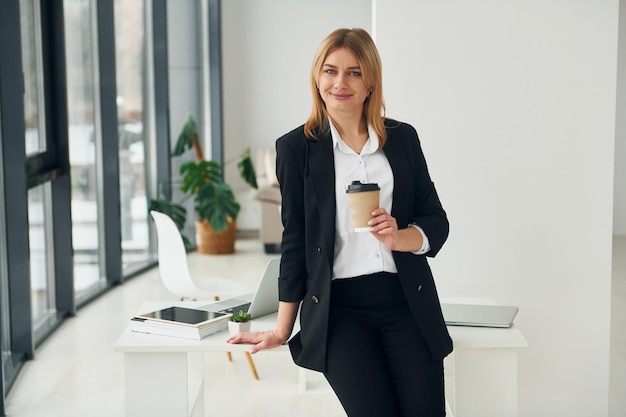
(239, 322)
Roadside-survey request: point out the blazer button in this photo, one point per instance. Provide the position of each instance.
(319, 251)
(315, 300)
(419, 288)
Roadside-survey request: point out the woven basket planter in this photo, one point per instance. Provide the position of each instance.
(211, 242)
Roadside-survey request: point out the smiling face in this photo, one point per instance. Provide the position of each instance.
(340, 84)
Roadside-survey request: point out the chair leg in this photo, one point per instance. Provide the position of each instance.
(252, 367)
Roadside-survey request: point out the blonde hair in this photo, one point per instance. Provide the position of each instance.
(361, 44)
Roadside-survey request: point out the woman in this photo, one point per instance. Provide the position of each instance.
(370, 317)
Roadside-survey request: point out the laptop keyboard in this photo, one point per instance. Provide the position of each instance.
(245, 307)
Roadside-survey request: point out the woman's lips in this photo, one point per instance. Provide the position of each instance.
(341, 96)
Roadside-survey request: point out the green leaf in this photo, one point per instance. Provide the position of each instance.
(175, 211)
(215, 202)
(186, 137)
(196, 174)
(240, 316)
(246, 169)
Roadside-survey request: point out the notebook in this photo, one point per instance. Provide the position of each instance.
(478, 315)
(264, 301)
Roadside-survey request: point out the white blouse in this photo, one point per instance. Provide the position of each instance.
(361, 253)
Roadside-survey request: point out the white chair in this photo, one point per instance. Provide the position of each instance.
(174, 270)
(175, 274)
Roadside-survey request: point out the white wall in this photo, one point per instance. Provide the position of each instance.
(267, 51)
(619, 212)
(515, 105)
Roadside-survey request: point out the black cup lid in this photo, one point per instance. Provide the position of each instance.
(358, 187)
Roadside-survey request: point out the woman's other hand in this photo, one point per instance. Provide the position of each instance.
(261, 340)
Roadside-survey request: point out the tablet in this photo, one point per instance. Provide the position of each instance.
(184, 316)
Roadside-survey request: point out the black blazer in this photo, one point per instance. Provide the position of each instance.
(305, 170)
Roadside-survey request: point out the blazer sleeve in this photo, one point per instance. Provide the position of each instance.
(290, 174)
(428, 212)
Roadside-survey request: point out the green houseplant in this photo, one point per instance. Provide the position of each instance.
(240, 316)
(239, 322)
(214, 201)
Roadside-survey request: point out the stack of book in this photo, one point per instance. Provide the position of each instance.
(187, 323)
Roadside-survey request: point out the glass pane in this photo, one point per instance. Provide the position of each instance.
(131, 98)
(33, 76)
(41, 276)
(81, 92)
(5, 337)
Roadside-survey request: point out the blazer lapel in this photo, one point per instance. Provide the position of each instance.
(321, 164)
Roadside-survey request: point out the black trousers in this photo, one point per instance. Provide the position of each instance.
(378, 363)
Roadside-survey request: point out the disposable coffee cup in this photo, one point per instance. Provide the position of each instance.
(363, 199)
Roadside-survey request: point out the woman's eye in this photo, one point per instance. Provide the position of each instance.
(330, 71)
(355, 73)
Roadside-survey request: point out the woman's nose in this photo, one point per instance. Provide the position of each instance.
(340, 80)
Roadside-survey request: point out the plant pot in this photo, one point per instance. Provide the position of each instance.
(211, 242)
(236, 327)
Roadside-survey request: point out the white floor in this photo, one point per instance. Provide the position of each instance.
(77, 374)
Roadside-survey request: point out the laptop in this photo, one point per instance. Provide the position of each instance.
(264, 301)
(478, 315)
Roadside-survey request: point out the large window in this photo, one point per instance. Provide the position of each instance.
(78, 88)
(42, 278)
(39, 212)
(132, 98)
(33, 76)
(81, 59)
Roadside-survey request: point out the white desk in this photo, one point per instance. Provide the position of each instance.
(481, 373)
(164, 375)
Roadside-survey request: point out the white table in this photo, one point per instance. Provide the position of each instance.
(481, 373)
(164, 375)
